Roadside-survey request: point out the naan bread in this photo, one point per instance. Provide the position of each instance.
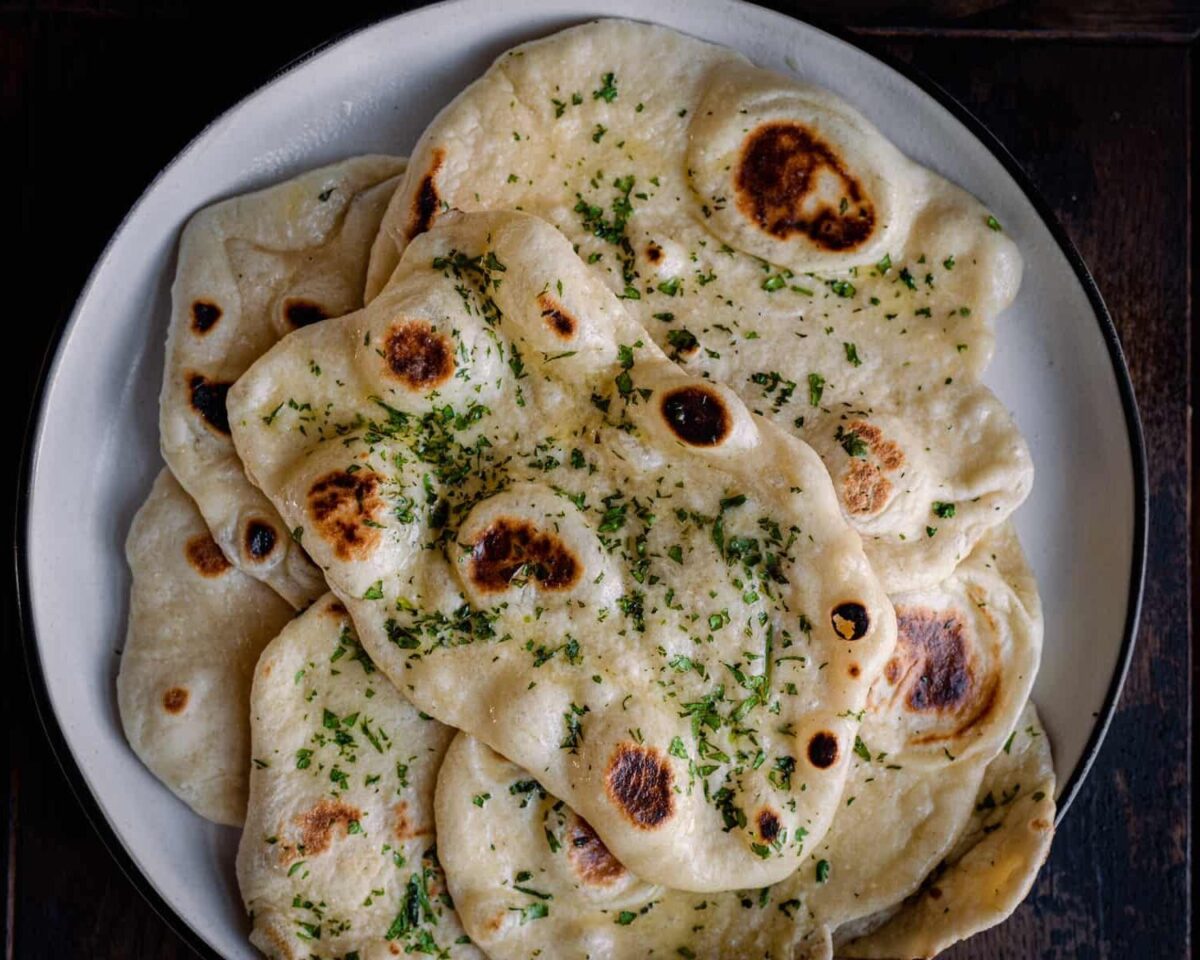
(251, 269)
(904, 809)
(768, 237)
(967, 653)
(338, 855)
(531, 878)
(993, 865)
(550, 536)
(196, 628)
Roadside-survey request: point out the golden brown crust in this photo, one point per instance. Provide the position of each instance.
(403, 828)
(317, 826)
(205, 556)
(639, 781)
(426, 200)
(864, 488)
(175, 700)
(418, 356)
(778, 180)
(511, 545)
(557, 318)
(340, 504)
(933, 670)
(593, 862)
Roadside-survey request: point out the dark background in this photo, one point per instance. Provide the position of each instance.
(1095, 100)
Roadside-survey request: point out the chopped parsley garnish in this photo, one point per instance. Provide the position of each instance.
(851, 442)
(608, 88)
(816, 387)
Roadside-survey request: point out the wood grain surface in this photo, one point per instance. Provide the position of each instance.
(1093, 99)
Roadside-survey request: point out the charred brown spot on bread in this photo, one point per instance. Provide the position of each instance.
(855, 670)
(205, 315)
(1040, 825)
(850, 620)
(317, 825)
(823, 749)
(639, 783)
(931, 660)
(175, 700)
(417, 355)
(260, 540)
(493, 923)
(768, 824)
(208, 399)
(402, 827)
(654, 252)
(933, 669)
(935, 893)
(336, 609)
(557, 318)
(426, 200)
(887, 452)
(593, 862)
(781, 186)
(205, 556)
(343, 506)
(300, 312)
(513, 545)
(696, 415)
(865, 489)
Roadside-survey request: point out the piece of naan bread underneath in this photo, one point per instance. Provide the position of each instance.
(967, 654)
(552, 537)
(904, 811)
(991, 868)
(953, 695)
(770, 238)
(338, 856)
(196, 628)
(529, 877)
(251, 269)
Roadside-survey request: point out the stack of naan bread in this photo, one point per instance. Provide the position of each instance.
(627, 456)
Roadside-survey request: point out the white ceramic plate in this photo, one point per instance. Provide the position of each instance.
(94, 448)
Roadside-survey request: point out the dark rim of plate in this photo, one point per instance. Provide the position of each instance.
(1133, 427)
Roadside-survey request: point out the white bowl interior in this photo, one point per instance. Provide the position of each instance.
(97, 450)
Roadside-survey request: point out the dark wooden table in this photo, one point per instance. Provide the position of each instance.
(1093, 98)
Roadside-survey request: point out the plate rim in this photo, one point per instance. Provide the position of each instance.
(867, 44)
